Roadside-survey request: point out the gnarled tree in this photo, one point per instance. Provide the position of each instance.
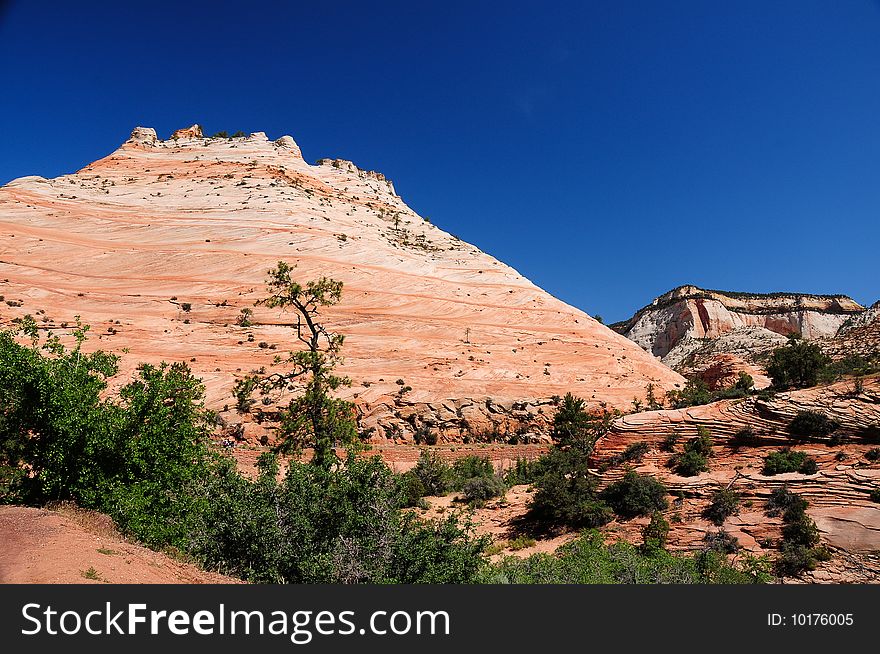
(314, 419)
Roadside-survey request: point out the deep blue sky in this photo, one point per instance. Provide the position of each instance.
(607, 150)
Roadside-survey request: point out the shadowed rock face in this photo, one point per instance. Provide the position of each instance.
(161, 244)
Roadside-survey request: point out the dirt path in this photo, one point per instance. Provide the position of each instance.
(71, 546)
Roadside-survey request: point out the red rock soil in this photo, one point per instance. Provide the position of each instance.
(74, 546)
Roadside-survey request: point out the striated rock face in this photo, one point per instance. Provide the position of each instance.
(161, 244)
(839, 493)
(691, 329)
(860, 335)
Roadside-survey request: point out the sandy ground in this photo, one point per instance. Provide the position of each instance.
(73, 546)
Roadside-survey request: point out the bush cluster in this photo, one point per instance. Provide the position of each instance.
(787, 460)
(145, 460)
(695, 457)
(811, 424)
(724, 503)
(587, 560)
(800, 550)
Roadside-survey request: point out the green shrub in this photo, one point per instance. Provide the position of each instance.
(565, 493)
(574, 427)
(524, 471)
(689, 463)
(587, 560)
(694, 459)
(745, 436)
(784, 502)
(797, 364)
(695, 392)
(655, 533)
(701, 444)
(669, 443)
(724, 503)
(470, 467)
(635, 495)
(413, 490)
(853, 364)
(634, 452)
(721, 542)
(811, 424)
(875, 495)
(786, 460)
(873, 454)
(434, 473)
(477, 490)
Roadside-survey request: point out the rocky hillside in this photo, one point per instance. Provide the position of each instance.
(838, 493)
(715, 334)
(859, 335)
(161, 245)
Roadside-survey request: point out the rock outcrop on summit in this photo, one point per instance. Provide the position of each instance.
(161, 245)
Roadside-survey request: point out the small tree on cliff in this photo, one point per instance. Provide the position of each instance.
(574, 427)
(313, 419)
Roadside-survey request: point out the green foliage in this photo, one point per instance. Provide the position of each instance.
(434, 473)
(744, 382)
(133, 458)
(721, 542)
(787, 460)
(695, 392)
(243, 391)
(475, 477)
(853, 364)
(873, 454)
(800, 550)
(689, 464)
(329, 526)
(669, 443)
(413, 490)
(695, 457)
(724, 503)
(797, 364)
(574, 427)
(782, 501)
(524, 471)
(587, 560)
(745, 436)
(651, 402)
(314, 418)
(635, 495)
(874, 495)
(477, 490)
(633, 453)
(244, 317)
(811, 424)
(565, 493)
(655, 533)
(469, 467)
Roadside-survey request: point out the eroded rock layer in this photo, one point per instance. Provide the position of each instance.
(839, 493)
(695, 331)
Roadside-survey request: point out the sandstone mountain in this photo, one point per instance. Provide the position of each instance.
(715, 334)
(160, 246)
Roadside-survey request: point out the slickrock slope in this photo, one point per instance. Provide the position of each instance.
(694, 330)
(838, 493)
(161, 244)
